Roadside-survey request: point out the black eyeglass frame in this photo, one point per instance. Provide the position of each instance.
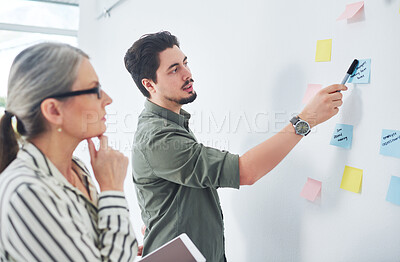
(94, 90)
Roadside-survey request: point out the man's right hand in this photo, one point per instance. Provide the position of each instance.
(324, 105)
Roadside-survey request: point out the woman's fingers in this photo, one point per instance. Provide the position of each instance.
(103, 142)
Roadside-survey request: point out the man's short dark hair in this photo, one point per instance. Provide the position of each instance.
(142, 59)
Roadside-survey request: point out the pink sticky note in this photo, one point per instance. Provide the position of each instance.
(312, 89)
(351, 10)
(311, 189)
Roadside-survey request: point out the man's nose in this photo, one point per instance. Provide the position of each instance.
(187, 74)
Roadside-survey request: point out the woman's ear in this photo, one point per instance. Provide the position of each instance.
(51, 111)
(149, 85)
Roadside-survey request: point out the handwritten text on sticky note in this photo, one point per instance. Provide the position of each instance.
(324, 50)
(362, 73)
(311, 189)
(351, 10)
(390, 143)
(342, 136)
(393, 194)
(352, 178)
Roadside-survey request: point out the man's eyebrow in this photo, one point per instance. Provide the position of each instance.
(171, 66)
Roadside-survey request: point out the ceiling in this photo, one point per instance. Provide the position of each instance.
(63, 2)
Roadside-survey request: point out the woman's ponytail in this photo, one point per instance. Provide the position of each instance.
(8, 141)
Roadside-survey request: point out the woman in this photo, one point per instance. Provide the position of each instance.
(49, 208)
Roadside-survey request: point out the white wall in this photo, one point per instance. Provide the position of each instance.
(252, 61)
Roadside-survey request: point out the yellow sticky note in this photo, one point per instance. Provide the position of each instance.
(352, 178)
(324, 50)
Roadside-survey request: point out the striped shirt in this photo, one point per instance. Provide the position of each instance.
(44, 218)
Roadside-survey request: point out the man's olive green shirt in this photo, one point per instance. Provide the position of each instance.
(176, 182)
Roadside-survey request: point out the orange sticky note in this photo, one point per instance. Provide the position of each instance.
(351, 10)
(312, 89)
(324, 50)
(311, 189)
(352, 178)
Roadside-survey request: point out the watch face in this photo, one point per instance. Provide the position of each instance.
(302, 127)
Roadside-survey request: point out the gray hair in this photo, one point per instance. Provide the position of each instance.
(37, 72)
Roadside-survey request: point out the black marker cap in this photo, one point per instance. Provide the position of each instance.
(352, 67)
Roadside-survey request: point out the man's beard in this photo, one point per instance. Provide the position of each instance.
(184, 101)
(187, 100)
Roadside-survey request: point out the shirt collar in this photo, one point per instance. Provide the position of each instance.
(38, 161)
(181, 119)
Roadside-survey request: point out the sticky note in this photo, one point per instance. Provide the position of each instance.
(324, 50)
(390, 143)
(362, 73)
(352, 178)
(351, 10)
(393, 194)
(342, 136)
(312, 89)
(311, 189)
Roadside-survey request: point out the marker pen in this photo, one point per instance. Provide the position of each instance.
(350, 71)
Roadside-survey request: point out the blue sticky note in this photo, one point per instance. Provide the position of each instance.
(393, 194)
(362, 73)
(390, 143)
(342, 136)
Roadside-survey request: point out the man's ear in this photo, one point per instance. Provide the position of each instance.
(149, 85)
(51, 111)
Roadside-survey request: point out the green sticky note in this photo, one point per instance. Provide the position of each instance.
(352, 178)
(324, 50)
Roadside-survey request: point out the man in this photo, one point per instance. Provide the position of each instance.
(176, 177)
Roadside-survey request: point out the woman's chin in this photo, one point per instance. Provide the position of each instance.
(93, 135)
(94, 131)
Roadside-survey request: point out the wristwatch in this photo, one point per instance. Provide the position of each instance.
(301, 127)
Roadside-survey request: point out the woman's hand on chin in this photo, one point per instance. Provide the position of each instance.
(109, 165)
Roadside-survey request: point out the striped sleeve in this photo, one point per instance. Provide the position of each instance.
(117, 240)
(41, 228)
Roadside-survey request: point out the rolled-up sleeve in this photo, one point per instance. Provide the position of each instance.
(118, 242)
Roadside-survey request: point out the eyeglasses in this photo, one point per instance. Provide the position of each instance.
(95, 90)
